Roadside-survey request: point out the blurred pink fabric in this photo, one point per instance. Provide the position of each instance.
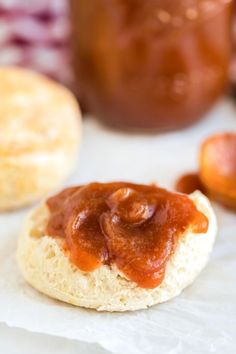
(34, 34)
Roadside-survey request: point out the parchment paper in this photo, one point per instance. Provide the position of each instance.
(201, 320)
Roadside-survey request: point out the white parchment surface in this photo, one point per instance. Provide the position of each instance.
(202, 319)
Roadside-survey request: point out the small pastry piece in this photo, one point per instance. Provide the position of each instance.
(189, 183)
(218, 168)
(116, 246)
(40, 125)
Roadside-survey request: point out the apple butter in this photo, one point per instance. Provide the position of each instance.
(135, 227)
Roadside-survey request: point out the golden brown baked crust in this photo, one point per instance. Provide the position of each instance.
(40, 127)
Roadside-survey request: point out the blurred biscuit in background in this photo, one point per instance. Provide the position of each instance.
(40, 127)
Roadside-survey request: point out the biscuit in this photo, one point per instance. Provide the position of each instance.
(40, 127)
(47, 268)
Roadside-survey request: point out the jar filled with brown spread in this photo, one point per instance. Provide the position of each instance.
(150, 65)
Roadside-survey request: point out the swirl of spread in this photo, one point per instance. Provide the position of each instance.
(135, 227)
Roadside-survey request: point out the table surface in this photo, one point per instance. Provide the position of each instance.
(19, 341)
(207, 319)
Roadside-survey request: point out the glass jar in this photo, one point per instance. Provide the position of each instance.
(150, 65)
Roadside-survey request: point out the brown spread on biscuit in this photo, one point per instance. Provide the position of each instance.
(132, 226)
